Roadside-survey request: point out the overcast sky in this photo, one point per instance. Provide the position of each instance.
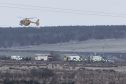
(69, 12)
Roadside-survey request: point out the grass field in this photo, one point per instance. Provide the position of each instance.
(107, 45)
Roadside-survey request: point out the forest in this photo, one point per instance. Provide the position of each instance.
(23, 36)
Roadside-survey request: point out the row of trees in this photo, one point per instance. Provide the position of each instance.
(34, 36)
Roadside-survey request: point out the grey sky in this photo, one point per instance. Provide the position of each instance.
(114, 12)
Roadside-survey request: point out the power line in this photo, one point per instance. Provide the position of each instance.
(54, 8)
(63, 9)
(60, 10)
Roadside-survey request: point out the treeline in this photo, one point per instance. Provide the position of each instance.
(34, 36)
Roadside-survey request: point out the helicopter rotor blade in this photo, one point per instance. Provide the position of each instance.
(28, 17)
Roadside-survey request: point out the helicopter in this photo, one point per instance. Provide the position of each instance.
(27, 22)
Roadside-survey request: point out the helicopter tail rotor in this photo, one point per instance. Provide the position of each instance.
(37, 22)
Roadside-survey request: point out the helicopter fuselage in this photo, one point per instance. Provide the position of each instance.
(25, 22)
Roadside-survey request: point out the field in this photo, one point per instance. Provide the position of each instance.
(38, 72)
(83, 47)
(107, 45)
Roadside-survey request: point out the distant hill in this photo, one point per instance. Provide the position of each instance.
(19, 36)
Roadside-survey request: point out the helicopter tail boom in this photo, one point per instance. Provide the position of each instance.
(37, 22)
